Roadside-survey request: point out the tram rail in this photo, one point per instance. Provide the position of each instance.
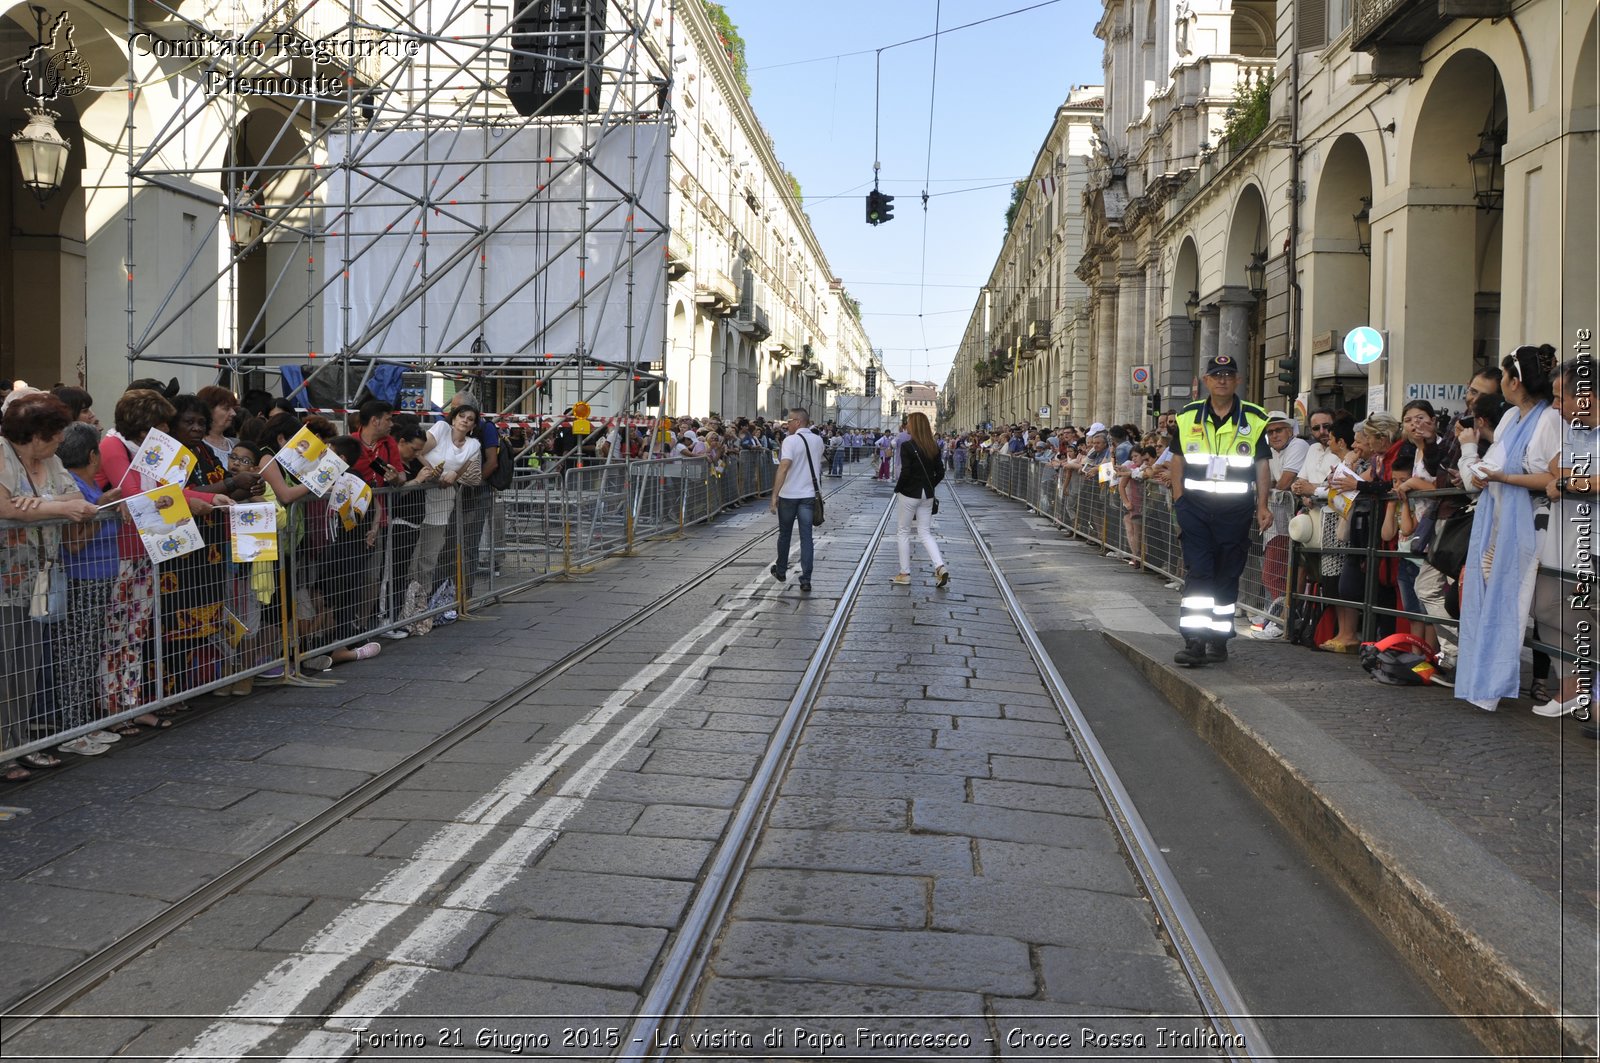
(51, 998)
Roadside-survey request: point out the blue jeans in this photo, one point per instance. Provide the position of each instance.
(789, 509)
(837, 465)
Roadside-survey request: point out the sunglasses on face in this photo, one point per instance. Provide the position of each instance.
(1322, 428)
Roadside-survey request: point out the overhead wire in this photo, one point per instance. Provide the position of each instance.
(912, 40)
(927, 172)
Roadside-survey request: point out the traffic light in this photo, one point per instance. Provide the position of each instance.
(880, 207)
(1152, 404)
(1289, 375)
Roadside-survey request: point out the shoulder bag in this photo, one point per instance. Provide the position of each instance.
(1447, 550)
(816, 488)
(933, 488)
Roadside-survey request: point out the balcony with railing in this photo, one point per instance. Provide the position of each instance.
(752, 320)
(1234, 111)
(1394, 31)
(679, 254)
(715, 289)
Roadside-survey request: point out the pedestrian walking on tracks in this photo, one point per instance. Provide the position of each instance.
(921, 469)
(1219, 477)
(795, 493)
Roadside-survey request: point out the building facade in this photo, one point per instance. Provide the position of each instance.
(756, 320)
(1025, 353)
(1275, 175)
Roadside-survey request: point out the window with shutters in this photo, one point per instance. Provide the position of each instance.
(1311, 24)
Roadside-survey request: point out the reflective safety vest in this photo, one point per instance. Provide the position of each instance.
(1220, 461)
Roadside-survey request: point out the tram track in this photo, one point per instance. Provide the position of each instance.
(1221, 1003)
(663, 1010)
(54, 996)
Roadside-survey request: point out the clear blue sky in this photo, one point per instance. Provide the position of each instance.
(997, 88)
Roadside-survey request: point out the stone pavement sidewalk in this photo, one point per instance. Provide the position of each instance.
(1470, 837)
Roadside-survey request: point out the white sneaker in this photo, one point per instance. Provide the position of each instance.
(83, 747)
(320, 663)
(448, 618)
(1268, 632)
(104, 738)
(1549, 708)
(397, 634)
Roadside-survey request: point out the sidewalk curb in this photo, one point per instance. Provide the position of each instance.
(1487, 941)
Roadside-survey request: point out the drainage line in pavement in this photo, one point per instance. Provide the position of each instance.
(56, 994)
(1220, 999)
(681, 970)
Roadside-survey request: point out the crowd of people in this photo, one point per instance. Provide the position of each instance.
(1514, 468)
(91, 628)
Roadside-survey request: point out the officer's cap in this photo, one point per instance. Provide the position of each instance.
(1222, 365)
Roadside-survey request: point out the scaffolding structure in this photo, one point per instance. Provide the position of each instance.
(382, 200)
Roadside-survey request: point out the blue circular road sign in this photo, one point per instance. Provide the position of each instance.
(1363, 345)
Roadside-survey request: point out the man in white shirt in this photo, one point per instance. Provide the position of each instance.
(1288, 458)
(793, 492)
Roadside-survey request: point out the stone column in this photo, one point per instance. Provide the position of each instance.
(1208, 337)
(1180, 368)
(1130, 342)
(1235, 307)
(1103, 403)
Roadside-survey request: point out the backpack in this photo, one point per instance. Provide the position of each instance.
(1399, 660)
(500, 479)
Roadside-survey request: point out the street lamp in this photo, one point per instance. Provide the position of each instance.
(1255, 274)
(1485, 164)
(1192, 307)
(1363, 220)
(41, 153)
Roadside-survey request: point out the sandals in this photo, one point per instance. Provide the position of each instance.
(14, 772)
(150, 719)
(1335, 646)
(1539, 692)
(40, 760)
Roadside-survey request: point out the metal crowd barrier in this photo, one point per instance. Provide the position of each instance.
(1276, 573)
(130, 638)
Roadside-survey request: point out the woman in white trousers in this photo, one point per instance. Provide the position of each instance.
(921, 469)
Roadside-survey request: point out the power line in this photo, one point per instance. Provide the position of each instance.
(913, 40)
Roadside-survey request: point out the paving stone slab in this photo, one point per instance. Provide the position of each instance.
(834, 898)
(1043, 914)
(662, 789)
(180, 980)
(944, 762)
(803, 812)
(915, 959)
(865, 851)
(1017, 746)
(332, 875)
(895, 784)
(315, 755)
(162, 872)
(835, 722)
(1033, 797)
(294, 807)
(704, 740)
(239, 921)
(681, 821)
(962, 708)
(192, 795)
(545, 893)
(1042, 772)
(1008, 824)
(624, 854)
(1105, 871)
(1013, 727)
(74, 919)
(618, 957)
(1137, 981)
(701, 764)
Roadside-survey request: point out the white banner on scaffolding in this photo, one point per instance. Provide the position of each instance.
(562, 239)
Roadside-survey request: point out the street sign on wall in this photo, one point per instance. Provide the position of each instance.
(1364, 344)
(1044, 413)
(1141, 379)
(1443, 396)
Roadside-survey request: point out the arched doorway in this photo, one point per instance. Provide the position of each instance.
(1181, 374)
(1450, 321)
(1340, 271)
(1242, 308)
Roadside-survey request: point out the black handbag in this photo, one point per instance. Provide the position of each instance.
(816, 501)
(1452, 536)
(933, 485)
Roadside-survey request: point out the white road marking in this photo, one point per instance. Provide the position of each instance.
(266, 1005)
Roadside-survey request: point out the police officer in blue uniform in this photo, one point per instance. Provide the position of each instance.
(1219, 478)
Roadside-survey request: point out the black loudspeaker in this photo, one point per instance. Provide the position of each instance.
(555, 66)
